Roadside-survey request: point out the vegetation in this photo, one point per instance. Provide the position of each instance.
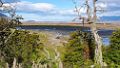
(80, 50)
(112, 52)
(25, 47)
(29, 49)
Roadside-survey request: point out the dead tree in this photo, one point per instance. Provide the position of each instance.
(98, 49)
(92, 20)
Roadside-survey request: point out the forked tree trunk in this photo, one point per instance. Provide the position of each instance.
(98, 49)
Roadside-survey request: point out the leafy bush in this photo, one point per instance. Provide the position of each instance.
(112, 54)
(80, 50)
(25, 47)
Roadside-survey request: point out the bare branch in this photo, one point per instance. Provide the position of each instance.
(1, 3)
(78, 11)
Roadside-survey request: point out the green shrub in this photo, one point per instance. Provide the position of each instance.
(112, 54)
(80, 50)
(25, 47)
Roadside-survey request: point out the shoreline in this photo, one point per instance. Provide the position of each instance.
(112, 26)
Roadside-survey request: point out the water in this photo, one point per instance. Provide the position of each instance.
(106, 40)
(66, 30)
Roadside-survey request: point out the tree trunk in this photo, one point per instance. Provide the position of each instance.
(98, 49)
(14, 63)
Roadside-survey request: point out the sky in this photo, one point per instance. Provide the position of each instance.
(64, 10)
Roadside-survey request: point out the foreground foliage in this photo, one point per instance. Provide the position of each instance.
(25, 47)
(30, 49)
(112, 52)
(80, 50)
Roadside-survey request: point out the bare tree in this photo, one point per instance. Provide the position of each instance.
(92, 20)
(98, 49)
(77, 10)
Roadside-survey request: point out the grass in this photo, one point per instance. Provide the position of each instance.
(49, 48)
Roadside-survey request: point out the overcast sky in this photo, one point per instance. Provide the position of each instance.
(63, 10)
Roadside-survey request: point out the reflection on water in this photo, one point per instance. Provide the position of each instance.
(66, 30)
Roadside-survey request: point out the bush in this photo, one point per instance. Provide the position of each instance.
(25, 47)
(112, 54)
(80, 50)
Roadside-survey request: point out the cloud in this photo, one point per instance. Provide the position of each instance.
(10, 1)
(48, 10)
(112, 5)
(109, 13)
(25, 6)
(52, 11)
(102, 5)
(36, 17)
(42, 9)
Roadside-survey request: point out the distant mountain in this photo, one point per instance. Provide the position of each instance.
(30, 21)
